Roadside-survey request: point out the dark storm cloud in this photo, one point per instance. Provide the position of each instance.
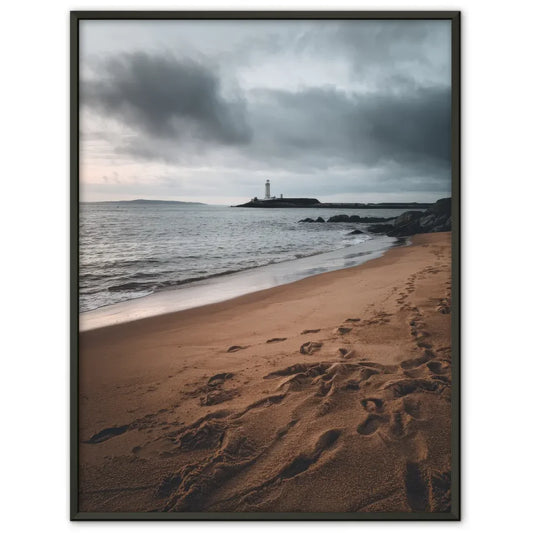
(332, 125)
(163, 97)
(409, 126)
(316, 127)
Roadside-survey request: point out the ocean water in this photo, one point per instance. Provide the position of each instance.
(128, 251)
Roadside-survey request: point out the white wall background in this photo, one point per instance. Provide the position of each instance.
(497, 288)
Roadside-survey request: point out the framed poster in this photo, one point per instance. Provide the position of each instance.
(265, 265)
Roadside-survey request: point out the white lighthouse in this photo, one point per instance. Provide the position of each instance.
(267, 190)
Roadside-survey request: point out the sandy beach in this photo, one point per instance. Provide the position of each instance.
(329, 394)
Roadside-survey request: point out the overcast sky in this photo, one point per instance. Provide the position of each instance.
(207, 110)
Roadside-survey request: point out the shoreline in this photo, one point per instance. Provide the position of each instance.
(341, 376)
(222, 288)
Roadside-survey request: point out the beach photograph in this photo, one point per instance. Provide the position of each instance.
(267, 260)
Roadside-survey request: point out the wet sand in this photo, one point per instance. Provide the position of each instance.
(221, 288)
(330, 394)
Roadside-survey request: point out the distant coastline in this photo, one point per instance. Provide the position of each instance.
(142, 201)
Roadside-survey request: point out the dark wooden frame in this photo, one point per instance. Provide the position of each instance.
(455, 18)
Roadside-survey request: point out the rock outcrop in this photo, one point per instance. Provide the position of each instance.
(436, 218)
(357, 218)
(319, 219)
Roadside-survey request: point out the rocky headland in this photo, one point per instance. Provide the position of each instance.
(437, 218)
(315, 203)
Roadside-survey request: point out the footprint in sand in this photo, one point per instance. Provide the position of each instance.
(219, 379)
(419, 335)
(342, 330)
(367, 373)
(409, 364)
(306, 331)
(425, 345)
(277, 339)
(346, 353)
(403, 387)
(106, 434)
(416, 486)
(443, 379)
(305, 460)
(309, 348)
(372, 405)
(439, 367)
(214, 394)
(236, 348)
